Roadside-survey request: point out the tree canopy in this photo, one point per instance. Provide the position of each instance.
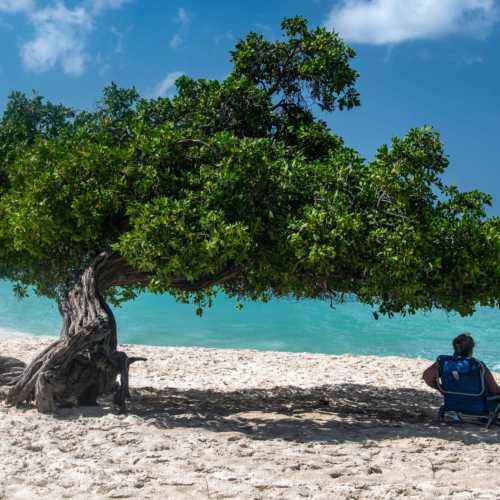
(238, 186)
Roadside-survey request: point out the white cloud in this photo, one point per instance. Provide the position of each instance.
(119, 35)
(60, 38)
(183, 19)
(13, 6)
(183, 16)
(226, 36)
(61, 33)
(97, 6)
(384, 22)
(468, 59)
(176, 41)
(162, 88)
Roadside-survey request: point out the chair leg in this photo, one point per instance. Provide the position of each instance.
(493, 416)
(441, 413)
(491, 419)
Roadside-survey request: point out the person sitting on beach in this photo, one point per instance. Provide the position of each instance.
(463, 346)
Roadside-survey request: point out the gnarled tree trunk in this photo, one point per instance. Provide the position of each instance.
(84, 363)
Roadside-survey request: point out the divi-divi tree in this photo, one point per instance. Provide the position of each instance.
(233, 187)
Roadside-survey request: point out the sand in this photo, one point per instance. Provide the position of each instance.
(209, 424)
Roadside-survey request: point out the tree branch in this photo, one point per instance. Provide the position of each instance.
(118, 272)
(206, 281)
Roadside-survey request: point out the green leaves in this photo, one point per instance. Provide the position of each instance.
(173, 238)
(235, 185)
(308, 63)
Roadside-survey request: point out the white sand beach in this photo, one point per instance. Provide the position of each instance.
(206, 423)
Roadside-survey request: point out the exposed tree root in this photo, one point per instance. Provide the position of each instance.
(10, 370)
(84, 363)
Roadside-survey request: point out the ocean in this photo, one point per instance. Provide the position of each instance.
(281, 325)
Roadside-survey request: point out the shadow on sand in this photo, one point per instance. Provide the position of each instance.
(325, 414)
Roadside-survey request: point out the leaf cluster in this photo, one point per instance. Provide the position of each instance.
(235, 185)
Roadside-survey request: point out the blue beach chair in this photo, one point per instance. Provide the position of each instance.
(461, 381)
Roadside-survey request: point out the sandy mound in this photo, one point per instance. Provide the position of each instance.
(207, 423)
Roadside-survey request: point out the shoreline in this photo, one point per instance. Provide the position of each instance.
(6, 335)
(222, 423)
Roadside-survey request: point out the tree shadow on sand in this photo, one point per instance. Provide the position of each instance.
(324, 414)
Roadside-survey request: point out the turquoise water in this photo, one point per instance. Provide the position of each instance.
(283, 325)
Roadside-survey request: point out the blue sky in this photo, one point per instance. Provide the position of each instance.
(421, 61)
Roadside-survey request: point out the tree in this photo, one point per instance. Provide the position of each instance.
(231, 186)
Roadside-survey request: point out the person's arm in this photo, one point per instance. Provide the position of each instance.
(491, 384)
(430, 376)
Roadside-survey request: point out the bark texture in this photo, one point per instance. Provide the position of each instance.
(84, 363)
(10, 370)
